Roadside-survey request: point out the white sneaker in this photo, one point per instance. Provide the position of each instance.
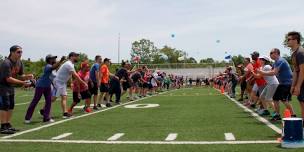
(27, 121)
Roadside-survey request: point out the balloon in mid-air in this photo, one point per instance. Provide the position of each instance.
(181, 58)
(164, 56)
(172, 35)
(218, 41)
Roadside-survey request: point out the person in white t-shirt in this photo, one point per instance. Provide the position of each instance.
(267, 94)
(64, 74)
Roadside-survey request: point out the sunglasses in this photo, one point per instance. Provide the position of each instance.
(289, 40)
(19, 52)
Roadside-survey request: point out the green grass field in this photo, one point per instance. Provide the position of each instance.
(199, 117)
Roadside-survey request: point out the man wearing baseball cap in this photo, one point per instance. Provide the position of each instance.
(43, 86)
(10, 68)
(65, 72)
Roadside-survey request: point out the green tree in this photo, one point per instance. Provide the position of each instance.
(238, 60)
(208, 60)
(172, 54)
(1, 58)
(145, 49)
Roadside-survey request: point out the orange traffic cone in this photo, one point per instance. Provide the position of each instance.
(287, 113)
(222, 90)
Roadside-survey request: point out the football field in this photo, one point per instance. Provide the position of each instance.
(188, 119)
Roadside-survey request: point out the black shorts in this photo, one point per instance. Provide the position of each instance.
(145, 85)
(104, 87)
(125, 86)
(94, 88)
(243, 85)
(7, 102)
(282, 93)
(301, 96)
(84, 95)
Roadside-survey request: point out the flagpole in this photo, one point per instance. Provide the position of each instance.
(118, 49)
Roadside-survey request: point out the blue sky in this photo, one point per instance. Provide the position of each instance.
(92, 26)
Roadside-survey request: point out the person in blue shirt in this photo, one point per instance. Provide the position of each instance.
(94, 77)
(43, 87)
(283, 72)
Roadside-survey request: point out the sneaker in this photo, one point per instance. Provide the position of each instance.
(66, 115)
(95, 108)
(294, 116)
(108, 105)
(252, 105)
(7, 131)
(41, 111)
(13, 129)
(49, 121)
(27, 121)
(118, 103)
(264, 113)
(88, 110)
(276, 118)
(99, 105)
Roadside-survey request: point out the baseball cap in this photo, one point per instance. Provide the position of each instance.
(50, 56)
(15, 48)
(73, 54)
(266, 58)
(255, 53)
(106, 59)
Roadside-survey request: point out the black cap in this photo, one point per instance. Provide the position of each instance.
(106, 59)
(15, 48)
(49, 56)
(73, 54)
(255, 53)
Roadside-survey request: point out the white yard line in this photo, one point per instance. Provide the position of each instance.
(171, 137)
(18, 104)
(143, 142)
(62, 136)
(73, 118)
(258, 117)
(116, 137)
(229, 137)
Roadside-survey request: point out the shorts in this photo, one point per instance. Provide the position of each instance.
(257, 89)
(94, 88)
(243, 85)
(268, 92)
(301, 96)
(135, 84)
(84, 95)
(7, 102)
(104, 87)
(145, 85)
(282, 93)
(125, 86)
(61, 89)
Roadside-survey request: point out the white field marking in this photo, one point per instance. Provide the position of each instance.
(143, 142)
(229, 136)
(91, 105)
(73, 118)
(263, 120)
(116, 137)
(62, 136)
(201, 95)
(18, 104)
(141, 106)
(171, 137)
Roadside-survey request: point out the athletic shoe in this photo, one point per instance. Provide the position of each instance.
(88, 110)
(276, 117)
(108, 105)
(265, 113)
(118, 103)
(49, 121)
(13, 129)
(252, 105)
(7, 131)
(111, 100)
(95, 108)
(27, 121)
(99, 105)
(66, 115)
(294, 116)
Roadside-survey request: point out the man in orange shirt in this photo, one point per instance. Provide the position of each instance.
(104, 83)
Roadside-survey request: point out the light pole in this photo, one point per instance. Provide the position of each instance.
(118, 49)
